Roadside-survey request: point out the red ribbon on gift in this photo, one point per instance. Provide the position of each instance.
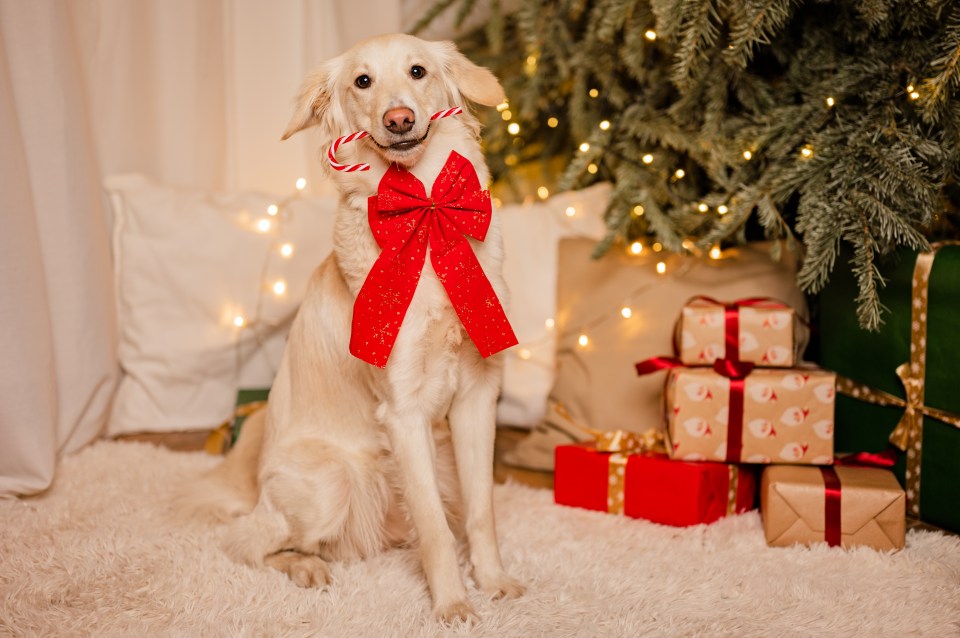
(736, 371)
(731, 313)
(831, 506)
(404, 221)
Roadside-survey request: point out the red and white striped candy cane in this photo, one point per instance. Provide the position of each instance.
(359, 135)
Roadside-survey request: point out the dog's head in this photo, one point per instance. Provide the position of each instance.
(389, 86)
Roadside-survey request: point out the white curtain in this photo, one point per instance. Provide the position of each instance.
(192, 93)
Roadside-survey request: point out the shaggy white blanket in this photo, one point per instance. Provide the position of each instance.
(100, 555)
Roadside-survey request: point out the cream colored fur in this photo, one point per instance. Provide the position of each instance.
(349, 459)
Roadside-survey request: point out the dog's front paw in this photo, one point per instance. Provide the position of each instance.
(502, 586)
(305, 570)
(457, 611)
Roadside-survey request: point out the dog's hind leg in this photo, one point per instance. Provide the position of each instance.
(302, 515)
(473, 427)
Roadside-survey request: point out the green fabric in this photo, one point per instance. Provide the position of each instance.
(872, 358)
(244, 397)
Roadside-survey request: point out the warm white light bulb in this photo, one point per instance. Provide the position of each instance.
(715, 252)
(543, 192)
(702, 207)
(239, 321)
(807, 151)
(594, 93)
(553, 122)
(506, 115)
(550, 323)
(722, 209)
(263, 225)
(592, 168)
(584, 147)
(831, 101)
(272, 210)
(647, 159)
(279, 287)
(513, 128)
(604, 125)
(523, 353)
(626, 312)
(583, 340)
(286, 250)
(570, 212)
(650, 34)
(636, 248)
(503, 106)
(638, 211)
(661, 267)
(747, 155)
(301, 184)
(679, 174)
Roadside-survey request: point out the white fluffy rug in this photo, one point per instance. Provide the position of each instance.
(99, 555)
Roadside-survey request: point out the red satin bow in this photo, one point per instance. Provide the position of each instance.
(404, 221)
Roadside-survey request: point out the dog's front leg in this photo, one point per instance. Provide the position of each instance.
(412, 442)
(473, 426)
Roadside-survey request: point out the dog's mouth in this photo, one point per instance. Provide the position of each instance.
(403, 145)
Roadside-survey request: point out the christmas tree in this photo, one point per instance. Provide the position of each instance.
(820, 122)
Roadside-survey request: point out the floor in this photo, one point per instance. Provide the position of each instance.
(506, 439)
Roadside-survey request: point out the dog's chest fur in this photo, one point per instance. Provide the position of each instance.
(422, 370)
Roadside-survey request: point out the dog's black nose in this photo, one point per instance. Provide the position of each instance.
(399, 120)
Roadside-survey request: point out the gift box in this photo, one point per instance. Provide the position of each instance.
(917, 347)
(767, 416)
(761, 331)
(649, 485)
(842, 506)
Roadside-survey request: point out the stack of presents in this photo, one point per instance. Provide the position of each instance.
(839, 455)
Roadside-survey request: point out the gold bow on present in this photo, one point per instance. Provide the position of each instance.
(908, 435)
(620, 444)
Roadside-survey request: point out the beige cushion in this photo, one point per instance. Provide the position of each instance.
(597, 383)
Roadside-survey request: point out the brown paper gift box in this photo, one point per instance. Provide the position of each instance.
(769, 334)
(787, 415)
(872, 506)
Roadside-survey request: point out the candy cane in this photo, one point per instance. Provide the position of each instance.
(359, 135)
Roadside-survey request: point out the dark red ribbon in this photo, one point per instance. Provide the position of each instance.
(735, 371)
(885, 459)
(404, 221)
(831, 506)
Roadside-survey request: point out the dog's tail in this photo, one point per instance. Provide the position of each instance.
(230, 489)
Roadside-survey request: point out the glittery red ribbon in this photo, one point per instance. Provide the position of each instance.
(831, 506)
(404, 221)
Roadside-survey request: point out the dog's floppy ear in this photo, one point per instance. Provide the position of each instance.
(474, 82)
(313, 102)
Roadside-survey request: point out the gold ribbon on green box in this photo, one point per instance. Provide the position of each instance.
(908, 435)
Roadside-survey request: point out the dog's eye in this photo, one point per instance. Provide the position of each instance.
(417, 71)
(363, 82)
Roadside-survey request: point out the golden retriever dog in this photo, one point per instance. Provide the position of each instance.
(348, 458)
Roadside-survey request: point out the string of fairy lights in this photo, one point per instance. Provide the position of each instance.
(273, 218)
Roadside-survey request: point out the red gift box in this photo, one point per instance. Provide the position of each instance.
(651, 485)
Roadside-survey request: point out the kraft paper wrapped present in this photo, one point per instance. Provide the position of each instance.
(842, 506)
(649, 485)
(767, 416)
(762, 331)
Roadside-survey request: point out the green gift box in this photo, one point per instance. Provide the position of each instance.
(923, 320)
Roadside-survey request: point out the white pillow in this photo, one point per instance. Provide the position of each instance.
(186, 263)
(531, 236)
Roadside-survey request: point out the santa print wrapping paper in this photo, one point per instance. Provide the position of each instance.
(651, 486)
(766, 332)
(785, 416)
(870, 507)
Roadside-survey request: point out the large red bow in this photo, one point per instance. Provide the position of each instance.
(404, 220)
